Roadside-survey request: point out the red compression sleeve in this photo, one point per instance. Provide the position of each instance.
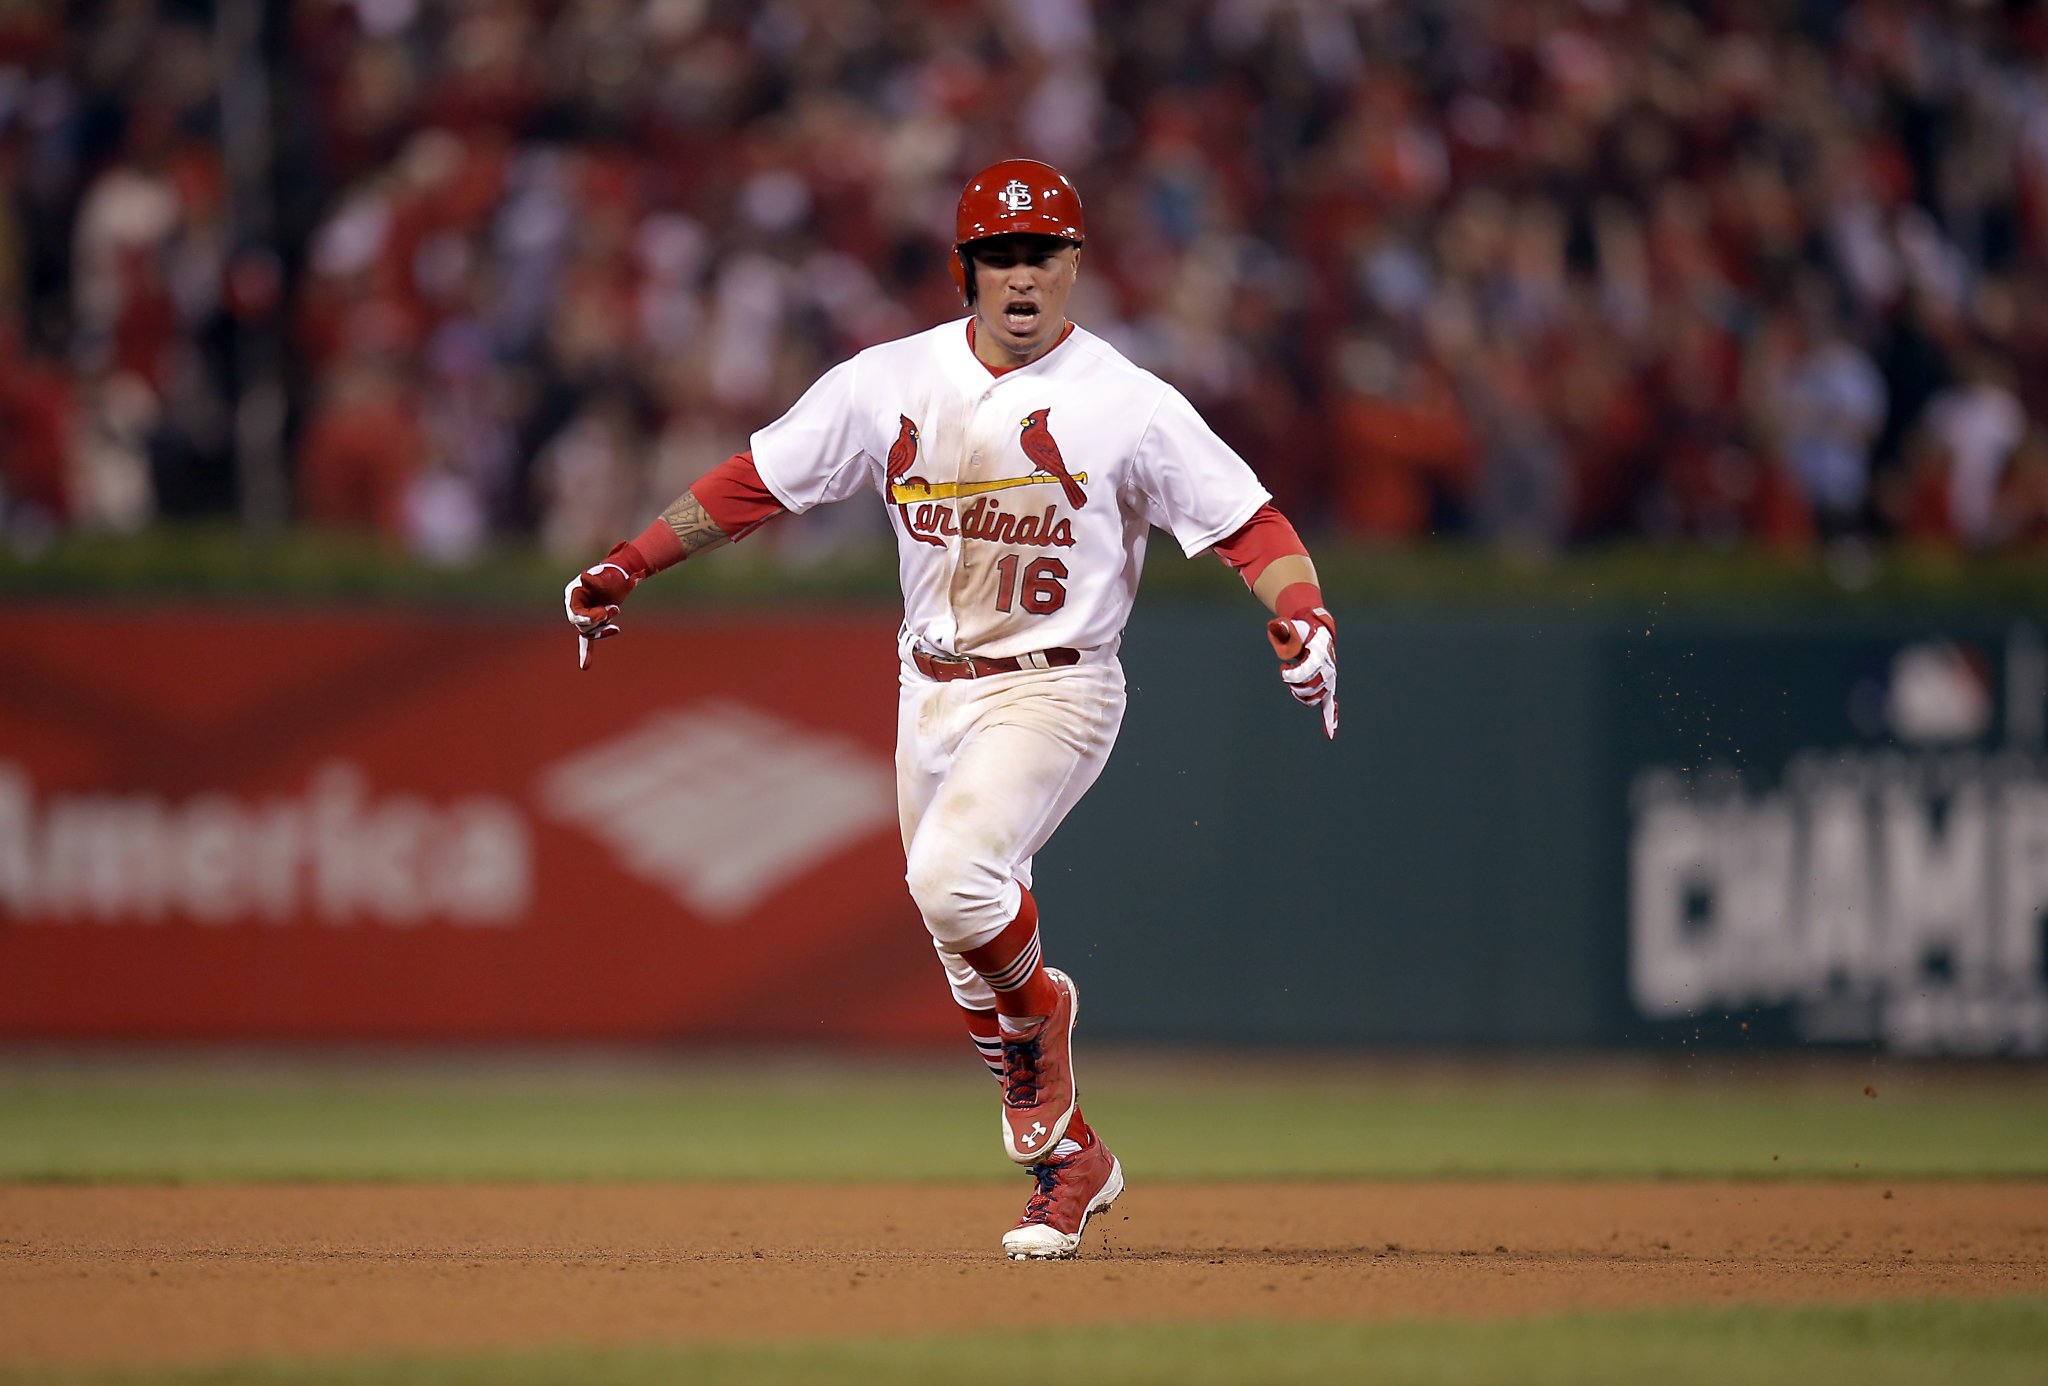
(1257, 542)
(1252, 549)
(734, 496)
(1300, 601)
(648, 552)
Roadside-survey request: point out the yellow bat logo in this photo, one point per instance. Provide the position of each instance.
(912, 491)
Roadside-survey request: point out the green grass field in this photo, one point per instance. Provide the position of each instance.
(271, 1121)
(1986, 1343)
(81, 1121)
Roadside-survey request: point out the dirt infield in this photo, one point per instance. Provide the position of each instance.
(93, 1275)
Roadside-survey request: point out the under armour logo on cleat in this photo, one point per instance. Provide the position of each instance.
(1031, 1136)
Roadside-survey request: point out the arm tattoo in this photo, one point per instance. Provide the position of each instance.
(693, 526)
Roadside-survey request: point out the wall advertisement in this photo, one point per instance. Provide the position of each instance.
(1845, 834)
(318, 826)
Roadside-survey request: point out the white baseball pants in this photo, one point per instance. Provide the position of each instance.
(986, 769)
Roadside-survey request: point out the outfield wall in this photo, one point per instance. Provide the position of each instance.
(1582, 829)
(1546, 828)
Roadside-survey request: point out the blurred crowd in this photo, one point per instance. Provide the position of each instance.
(1535, 272)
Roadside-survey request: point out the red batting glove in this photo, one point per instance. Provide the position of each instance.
(592, 597)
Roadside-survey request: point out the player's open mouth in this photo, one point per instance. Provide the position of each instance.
(1021, 315)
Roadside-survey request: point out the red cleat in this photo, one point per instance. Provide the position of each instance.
(1069, 1192)
(1038, 1078)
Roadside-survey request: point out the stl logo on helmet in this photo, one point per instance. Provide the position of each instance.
(1016, 195)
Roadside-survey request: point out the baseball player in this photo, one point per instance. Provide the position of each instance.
(1023, 462)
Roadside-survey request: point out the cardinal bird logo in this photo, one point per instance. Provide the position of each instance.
(902, 454)
(1045, 455)
(903, 451)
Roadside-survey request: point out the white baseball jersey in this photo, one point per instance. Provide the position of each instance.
(1022, 501)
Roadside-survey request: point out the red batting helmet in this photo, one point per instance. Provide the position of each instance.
(1015, 196)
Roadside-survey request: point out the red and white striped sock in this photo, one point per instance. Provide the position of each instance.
(1078, 1132)
(987, 1035)
(1012, 964)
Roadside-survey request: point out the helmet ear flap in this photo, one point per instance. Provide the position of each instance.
(963, 274)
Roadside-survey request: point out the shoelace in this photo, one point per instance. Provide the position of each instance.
(1020, 1072)
(1039, 1207)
